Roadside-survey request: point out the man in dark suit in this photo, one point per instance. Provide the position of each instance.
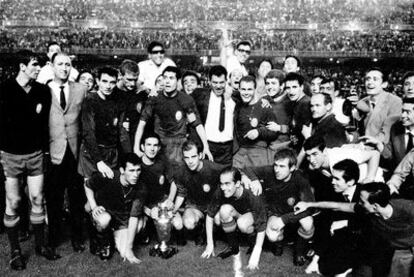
(67, 98)
(337, 232)
(216, 110)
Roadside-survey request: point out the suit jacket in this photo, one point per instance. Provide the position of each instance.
(64, 123)
(379, 120)
(395, 150)
(331, 130)
(202, 99)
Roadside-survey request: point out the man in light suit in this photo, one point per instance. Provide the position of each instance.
(67, 98)
(382, 109)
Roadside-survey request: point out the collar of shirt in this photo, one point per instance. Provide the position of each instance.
(349, 193)
(408, 132)
(56, 89)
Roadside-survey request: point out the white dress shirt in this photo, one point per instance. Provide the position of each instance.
(56, 90)
(213, 119)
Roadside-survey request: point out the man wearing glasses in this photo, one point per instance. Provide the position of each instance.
(153, 67)
(241, 55)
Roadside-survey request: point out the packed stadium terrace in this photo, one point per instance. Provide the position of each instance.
(284, 12)
(318, 41)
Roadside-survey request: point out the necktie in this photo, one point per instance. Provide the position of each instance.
(409, 143)
(222, 114)
(62, 98)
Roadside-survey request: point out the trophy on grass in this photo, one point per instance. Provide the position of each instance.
(163, 227)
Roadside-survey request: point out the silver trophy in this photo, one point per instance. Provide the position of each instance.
(163, 227)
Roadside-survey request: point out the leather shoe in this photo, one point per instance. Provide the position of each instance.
(17, 261)
(94, 247)
(229, 251)
(47, 252)
(299, 260)
(106, 252)
(78, 247)
(277, 250)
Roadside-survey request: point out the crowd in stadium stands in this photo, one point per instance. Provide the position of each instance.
(343, 41)
(285, 12)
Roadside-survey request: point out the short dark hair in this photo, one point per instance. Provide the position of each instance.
(248, 79)
(318, 76)
(86, 71)
(191, 73)
(128, 66)
(217, 70)
(378, 193)
(190, 144)
(52, 60)
(286, 153)
(315, 141)
(131, 158)
(25, 56)
(327, 99)
(267, 61)
(407, 75)
(234, 172)
(350, 169)
(243, 42)
(276, 74)
(292, 76)
(173, 69)
(376, 69)
(295, 57)
(107, 70)
(150, 135)
(154, 44)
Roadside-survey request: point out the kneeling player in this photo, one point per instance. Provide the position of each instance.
(116, 204)
(239, 209)
(196, 183)
(284, 186)
(160, 187)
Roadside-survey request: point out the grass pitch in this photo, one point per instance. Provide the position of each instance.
(186, 263)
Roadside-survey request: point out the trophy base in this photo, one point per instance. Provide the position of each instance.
(166, 254)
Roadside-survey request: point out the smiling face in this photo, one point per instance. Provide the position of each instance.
(273, 87)
(218, 84)
(189, 84)
(374, 82)
(227, 184)
(315, 157)
(247, 90)
(243, 53)
(86, 78)
(157, 55)
(294, 90)
(290, 65)
(61, 67)
(407, 115)
(151, 147)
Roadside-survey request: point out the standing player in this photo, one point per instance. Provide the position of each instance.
(250, 123)
(173, 110)
(24, 115)
(283, 187)
(235, 207)
(102, 131)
